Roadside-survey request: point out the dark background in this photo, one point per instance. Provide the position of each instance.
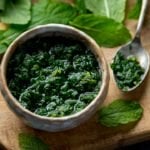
(139, 146)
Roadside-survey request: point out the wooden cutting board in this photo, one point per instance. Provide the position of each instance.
(90, 135)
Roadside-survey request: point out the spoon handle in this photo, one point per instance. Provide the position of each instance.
(141, 18)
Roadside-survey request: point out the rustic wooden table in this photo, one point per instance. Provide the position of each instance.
(89, 135)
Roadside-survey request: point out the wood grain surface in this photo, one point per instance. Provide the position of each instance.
(90, 135)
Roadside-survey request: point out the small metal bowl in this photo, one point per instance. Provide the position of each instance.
(50, 123)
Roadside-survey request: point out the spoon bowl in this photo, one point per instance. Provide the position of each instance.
(135, 49)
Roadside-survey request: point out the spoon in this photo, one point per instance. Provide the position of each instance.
(135, 49)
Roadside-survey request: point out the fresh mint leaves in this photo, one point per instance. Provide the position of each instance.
(80, 4)
(107, 32)
(46, 11)
(6, 37)
(31, 142)
(2, 5)
(98, 18)
(43, 12)
(135, 12)
(110, 8)
(16, 11)
(120, 112)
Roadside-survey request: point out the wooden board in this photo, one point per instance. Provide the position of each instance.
(90, 135)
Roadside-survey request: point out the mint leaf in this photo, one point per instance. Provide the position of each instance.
(16, 12)
(80, 4)
(106, 32)
(135, 12)
(120, 112)
(31, 142)
(2, 49)
(6, 37)
(46, 11)
(109, 8)
(2, 4)
(43, 12)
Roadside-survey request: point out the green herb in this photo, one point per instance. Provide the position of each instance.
(16, 12)
(120, 112)
(31, 142)
(80, 4)
(52, 11)
(43, 12)
(2, 5)
(135, 12)
(46, 11)
(127, 72)
(6, 37)
(109, 8)
(106, 32)
(50, 84)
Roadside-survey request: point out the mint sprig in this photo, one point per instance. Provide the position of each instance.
(120, 112)
(31, 142)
